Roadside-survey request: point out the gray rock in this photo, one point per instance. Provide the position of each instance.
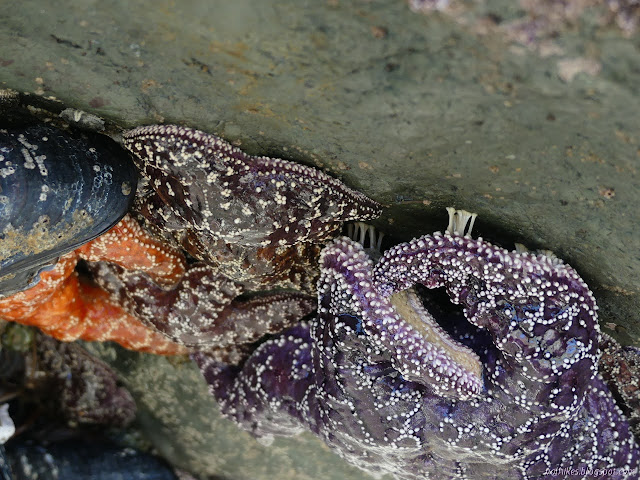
(532, 125)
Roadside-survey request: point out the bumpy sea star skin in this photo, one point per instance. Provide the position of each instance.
(258, 268)
(366, 380)
(245, 200)
(543, 321)
(67, 307)
(248, 215)
(204, 310)
(139, 252)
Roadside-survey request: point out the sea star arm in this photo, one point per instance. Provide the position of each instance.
(219, 190)
(398, 326)
(127, 244)
(203, 310)
(540, 313)
(272, 393)
(67, 308)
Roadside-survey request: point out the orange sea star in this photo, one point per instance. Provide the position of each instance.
(68, 307)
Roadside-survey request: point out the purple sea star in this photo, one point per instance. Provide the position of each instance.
(255, 225)
(255, 218)
(389, 390)
(205, 310)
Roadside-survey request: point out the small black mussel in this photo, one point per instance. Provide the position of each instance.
(5, 470)
(83, 460)
(58, 190)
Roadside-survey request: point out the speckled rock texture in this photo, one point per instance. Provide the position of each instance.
(528, 119)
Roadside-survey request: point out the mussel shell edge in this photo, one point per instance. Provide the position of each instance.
(58, 190)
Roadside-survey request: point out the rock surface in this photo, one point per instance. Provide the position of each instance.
(535, 129)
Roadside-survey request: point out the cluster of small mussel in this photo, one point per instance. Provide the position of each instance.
(63, 412)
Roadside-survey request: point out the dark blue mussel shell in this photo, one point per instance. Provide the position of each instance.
(82, 460)
(5, 469)
(58, 190)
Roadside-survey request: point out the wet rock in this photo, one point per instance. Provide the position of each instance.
(541, 142)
